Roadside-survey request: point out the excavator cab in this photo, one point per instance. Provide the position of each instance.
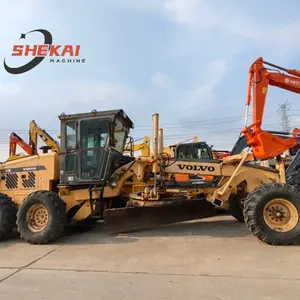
(197, 151)
(192, 151)
(92, 145)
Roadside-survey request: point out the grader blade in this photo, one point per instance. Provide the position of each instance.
(147, 217)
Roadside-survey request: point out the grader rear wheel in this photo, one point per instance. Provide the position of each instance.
(8, 212)
(272, 213)
(37, 217)
(41, 218)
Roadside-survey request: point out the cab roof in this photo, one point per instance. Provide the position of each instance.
(94, 113)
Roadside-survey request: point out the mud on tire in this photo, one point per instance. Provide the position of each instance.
(272, 214)
(8, 215)
(41, 218)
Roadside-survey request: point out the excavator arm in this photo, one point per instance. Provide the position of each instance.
(264, 144)
(15, 140)
(144, 147)
(34, 132)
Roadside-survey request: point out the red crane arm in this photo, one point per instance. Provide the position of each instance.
(264, 144)
(15, 140)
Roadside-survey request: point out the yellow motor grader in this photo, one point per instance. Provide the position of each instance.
(42, 193)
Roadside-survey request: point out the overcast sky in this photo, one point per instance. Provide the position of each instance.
(185, 59)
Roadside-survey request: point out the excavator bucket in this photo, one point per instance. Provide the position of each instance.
(128, 219)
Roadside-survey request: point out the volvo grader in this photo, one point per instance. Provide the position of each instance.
(42, 193)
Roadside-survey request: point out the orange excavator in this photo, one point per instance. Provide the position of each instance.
(31, 149)
(264, 144)
(14, 141)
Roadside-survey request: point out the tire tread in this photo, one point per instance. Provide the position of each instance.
(59, 217)
(250, 205)
(9, 214)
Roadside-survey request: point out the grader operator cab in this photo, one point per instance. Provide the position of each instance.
(92, 145)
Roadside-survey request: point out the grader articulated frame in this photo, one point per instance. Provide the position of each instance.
(43, 193)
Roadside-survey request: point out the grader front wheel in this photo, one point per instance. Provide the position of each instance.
(272, 213)
(281, 215)
(41, 218)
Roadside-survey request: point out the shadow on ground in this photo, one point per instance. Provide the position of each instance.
(218, 227)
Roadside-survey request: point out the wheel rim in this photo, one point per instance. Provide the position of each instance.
(281, 215)
(37, 217)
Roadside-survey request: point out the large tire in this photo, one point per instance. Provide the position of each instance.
(8, 215)
(236, 208)
(48, 217)
(265, 222)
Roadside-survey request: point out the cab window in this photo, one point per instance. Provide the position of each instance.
(194, 151)
(71, 135)
(120, 135)
(94, 133)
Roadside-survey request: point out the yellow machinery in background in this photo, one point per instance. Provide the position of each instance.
(34, 132)
(145, 148)
(31, 148)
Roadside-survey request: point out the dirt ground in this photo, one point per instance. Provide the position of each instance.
(215, 258)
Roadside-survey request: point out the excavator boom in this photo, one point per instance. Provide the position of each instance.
(34, 132)
(264, 144)
(15, 140)
(144, 147)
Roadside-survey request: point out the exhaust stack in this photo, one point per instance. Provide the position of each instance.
(155, 168)
(161, 141)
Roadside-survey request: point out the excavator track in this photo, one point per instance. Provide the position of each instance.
(294, 179)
